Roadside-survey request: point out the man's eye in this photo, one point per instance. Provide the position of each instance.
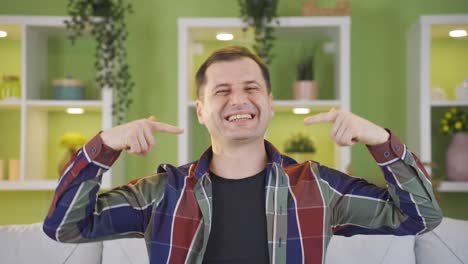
(251, 88)
(221, 92)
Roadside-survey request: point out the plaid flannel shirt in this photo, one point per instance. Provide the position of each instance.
(305, 204)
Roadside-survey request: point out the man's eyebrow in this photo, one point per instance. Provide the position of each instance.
(250, 82)
(222, 85)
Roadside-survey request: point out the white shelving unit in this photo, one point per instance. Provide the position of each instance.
(192, 31)
(36, 110)
(420, 106)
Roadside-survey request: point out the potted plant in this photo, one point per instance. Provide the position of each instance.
(259, 14)
(305, 87)
(299, 147)
(455, 123)
(106, 21)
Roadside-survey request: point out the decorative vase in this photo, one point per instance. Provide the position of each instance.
(305, 90)
(457, 158)
(301, 156)
(68, 89)
(10, 88)
(461, 91)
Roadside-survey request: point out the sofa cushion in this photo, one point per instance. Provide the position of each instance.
(447, 243)
(123, 251)
(29, 244)
(371, 249)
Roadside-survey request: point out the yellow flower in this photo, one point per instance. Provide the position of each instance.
(72, 141)
(454, 120)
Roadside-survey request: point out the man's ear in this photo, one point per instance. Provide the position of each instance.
(199, 107)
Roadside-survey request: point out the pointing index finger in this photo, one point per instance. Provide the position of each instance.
(165, 128)
(328, 117)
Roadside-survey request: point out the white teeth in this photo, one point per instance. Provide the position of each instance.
(242, 116)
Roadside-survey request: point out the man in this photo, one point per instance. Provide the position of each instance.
(242, 201)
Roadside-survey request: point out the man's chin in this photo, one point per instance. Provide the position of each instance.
(241, 138)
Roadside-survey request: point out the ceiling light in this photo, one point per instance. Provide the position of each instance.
(458, 33)
(224, 36)
(301, 111)
(3, 34)
(75, 111)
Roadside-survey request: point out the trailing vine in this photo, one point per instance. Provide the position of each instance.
(105, 20)
(259, 14)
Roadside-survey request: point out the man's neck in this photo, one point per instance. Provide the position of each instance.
(240, 160)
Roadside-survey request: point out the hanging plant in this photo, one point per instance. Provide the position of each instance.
(106, 21)
(259, 14)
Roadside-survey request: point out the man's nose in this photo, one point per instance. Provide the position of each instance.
(238, 98)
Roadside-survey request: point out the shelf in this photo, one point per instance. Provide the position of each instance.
(445, 103)
(451, 186)
(288, 105)
(28, 185)
(10, 104)
(59, 105)
(315, 105)
(38, 51)
(434, 60)
(42, 185)
(326, 37)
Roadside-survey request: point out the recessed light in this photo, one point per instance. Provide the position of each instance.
(3, 34)
(301, 111)
(75, 111)
(224, 36)
(458, 33)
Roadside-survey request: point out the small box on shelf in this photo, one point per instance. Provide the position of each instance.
(13, 170)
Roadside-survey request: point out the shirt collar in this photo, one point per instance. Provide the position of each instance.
(203, 163)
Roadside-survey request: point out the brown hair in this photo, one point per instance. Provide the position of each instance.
(230, 54)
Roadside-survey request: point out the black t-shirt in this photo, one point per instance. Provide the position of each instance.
(238, 228)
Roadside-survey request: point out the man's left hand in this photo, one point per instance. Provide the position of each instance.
(348, 128)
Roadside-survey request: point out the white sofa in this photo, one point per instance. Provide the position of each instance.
(447, 244)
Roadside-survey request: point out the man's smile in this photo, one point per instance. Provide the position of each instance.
(238, 117)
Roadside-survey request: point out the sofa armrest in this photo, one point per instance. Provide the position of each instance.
(371, 249)
(447, 243)
(29, 244)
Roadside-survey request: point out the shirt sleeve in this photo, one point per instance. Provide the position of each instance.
(407, 206)
(79, 214)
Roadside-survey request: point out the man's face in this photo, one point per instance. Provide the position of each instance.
(234, 104)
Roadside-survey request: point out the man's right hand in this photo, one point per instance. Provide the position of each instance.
(137, 136)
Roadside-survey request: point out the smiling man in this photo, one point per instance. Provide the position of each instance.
(242, 201)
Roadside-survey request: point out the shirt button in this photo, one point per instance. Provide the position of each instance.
(93, 150)
(397, 147)
(386, 154)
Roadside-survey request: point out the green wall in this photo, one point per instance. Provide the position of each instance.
(378, 39)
